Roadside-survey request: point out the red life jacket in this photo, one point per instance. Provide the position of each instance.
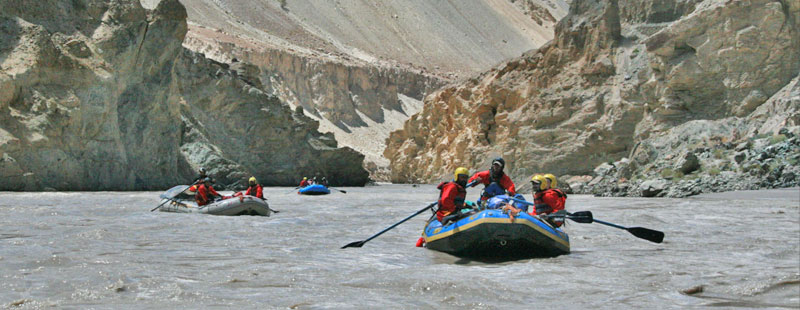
(556, 198)
(550, 201)
(458, 200)
(205, 195)
(537, 197)
(257, 191)
(202, 196)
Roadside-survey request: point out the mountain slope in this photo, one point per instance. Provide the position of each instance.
(617, 74)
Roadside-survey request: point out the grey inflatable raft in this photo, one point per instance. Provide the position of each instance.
(183, 202)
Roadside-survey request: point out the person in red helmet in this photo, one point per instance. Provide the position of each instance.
(495, 180)
(206, 193)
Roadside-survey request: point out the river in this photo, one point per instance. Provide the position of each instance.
(106, 250)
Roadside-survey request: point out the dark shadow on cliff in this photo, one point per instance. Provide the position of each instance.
(9, 36)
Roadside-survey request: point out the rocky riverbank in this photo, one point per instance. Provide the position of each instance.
(763, 161)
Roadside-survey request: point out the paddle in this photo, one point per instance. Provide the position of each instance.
(580, 216)
(343, 191)
(265, 200)
(358, 244)
(294, 189)
(586, 217)
(159, 206)
(170, 197)
(641, 232)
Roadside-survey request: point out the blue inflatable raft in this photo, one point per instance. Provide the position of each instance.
(315, 189)
(492, 234)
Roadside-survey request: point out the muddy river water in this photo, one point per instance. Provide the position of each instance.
(105, 250)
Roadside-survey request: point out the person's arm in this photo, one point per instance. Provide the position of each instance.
(508, 185)
(260, 192)
(479, 175)
(213, 191)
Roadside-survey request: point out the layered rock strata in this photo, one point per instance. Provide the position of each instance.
(106, 98)
(359, 103)
(617, 74)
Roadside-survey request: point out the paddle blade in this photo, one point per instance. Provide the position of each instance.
(647, 234)
(340, 190)
(581, 217)
(356, 244)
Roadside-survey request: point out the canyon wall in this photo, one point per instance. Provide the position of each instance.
(617, 74)
(361, 68)
(106, 98)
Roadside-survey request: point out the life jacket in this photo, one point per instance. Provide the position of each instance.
(460, 197)
(253, 190)
(202, 196)
(560, 197)
(555, 203)
(537, 197)
(559, 192)
(193, 188)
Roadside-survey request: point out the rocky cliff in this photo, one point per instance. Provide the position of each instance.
(361, 68)
(106, 98)
(360, 103)
(617, 75)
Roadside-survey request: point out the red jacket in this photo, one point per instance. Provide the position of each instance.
(203, 193)
(486, 179)
(304, 183)
(554, 198)
(257, 191)
(451, 198)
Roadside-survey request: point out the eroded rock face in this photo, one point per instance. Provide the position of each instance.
(362, 67)
(359, 103)
(343, 93)
(106, 98)
(617, 73)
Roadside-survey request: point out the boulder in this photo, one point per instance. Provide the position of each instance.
(740, 157)
(652, 188)
(687, 163)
